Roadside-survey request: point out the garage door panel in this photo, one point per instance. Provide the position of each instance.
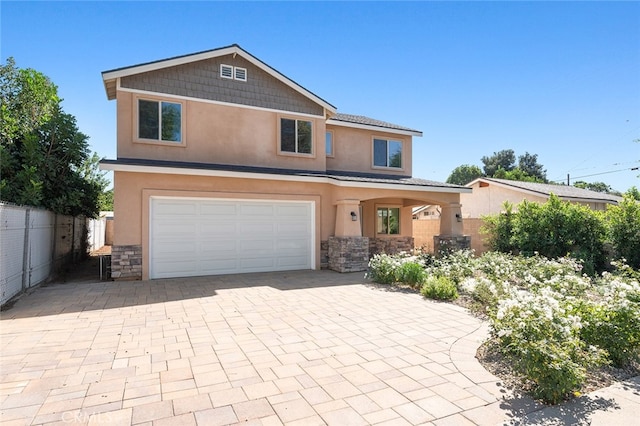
(218, 209)
(208, 236)
(290, 261)
(166, 208)
(256, 209)
(292, 210)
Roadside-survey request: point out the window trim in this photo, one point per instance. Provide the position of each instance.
(136, 122)
(280, 151)
(332, 153)
(388, 207)
(387, 140)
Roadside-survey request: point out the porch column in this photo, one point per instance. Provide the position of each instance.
(451, 219)
(348, 249)
(348, 218)
(451, 236)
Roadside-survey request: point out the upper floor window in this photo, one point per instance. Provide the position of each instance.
(296, 136)
(387, 153)
(159, 120)
(329, 144)
(388, 220)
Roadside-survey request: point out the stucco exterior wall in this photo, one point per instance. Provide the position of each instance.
(219, 134)
(131, 205)
(489, 200)
(425, 230)
(485, 200)
(353, 151)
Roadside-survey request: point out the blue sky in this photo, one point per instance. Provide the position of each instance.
(557, 79)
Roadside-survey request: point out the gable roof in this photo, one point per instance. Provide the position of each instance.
(110, 77)
(565, 192)
(360, 121)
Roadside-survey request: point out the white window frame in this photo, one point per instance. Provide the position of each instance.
(136, 118)
(226, 71)
(233, 73)
(387, 140)
(239, 74)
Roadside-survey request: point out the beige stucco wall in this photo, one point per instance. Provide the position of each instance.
(131, 203)
(425, 230)
(219, 134)
(486, 200)
(489, 200)
(353, 151)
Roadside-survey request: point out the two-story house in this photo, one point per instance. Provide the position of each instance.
(225, 165)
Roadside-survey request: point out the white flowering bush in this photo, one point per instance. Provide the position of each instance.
(553, 321)
(389, 269)
(543, 338)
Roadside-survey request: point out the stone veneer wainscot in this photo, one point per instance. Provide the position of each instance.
(126, 262)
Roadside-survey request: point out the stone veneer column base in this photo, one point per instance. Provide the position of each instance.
(390, 245)
(126, 262)
(443, 244)
(348, 254)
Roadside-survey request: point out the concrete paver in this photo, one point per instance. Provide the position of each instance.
(308, 347)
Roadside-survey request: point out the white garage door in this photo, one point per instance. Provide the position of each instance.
(190, 237)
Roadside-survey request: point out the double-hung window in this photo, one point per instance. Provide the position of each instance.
(296, 136)
(388, 220)
(159, 120)
(387, 153)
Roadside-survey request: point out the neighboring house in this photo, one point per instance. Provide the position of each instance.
(426, 212)
(489, 195)
(225, 165)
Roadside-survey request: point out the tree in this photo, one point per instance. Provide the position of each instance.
(595, 186)
(105, 202)
(528, 163)
(464, 174)
(44, 158)
(505, 159)
(28, 99)
(516, 174)
(634, 193)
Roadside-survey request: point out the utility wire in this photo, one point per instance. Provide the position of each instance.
(598, 174)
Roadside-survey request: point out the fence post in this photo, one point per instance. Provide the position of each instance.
(26, 274)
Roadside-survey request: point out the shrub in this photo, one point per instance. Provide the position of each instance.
(612, 321)
(535, 330)
(623, 229)
(383, 269)
(412, 273)
(439, 288)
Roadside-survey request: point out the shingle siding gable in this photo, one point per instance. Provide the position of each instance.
(202, 80)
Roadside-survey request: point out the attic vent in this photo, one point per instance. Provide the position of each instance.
(234, 73)
(226, 71)
(240, 74)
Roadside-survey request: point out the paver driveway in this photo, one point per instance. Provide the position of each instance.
(294, 348)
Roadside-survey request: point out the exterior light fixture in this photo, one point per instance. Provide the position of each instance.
(354, 217)
(458, 217)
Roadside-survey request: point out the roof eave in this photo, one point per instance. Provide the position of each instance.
(406, 132)
(112, 165)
